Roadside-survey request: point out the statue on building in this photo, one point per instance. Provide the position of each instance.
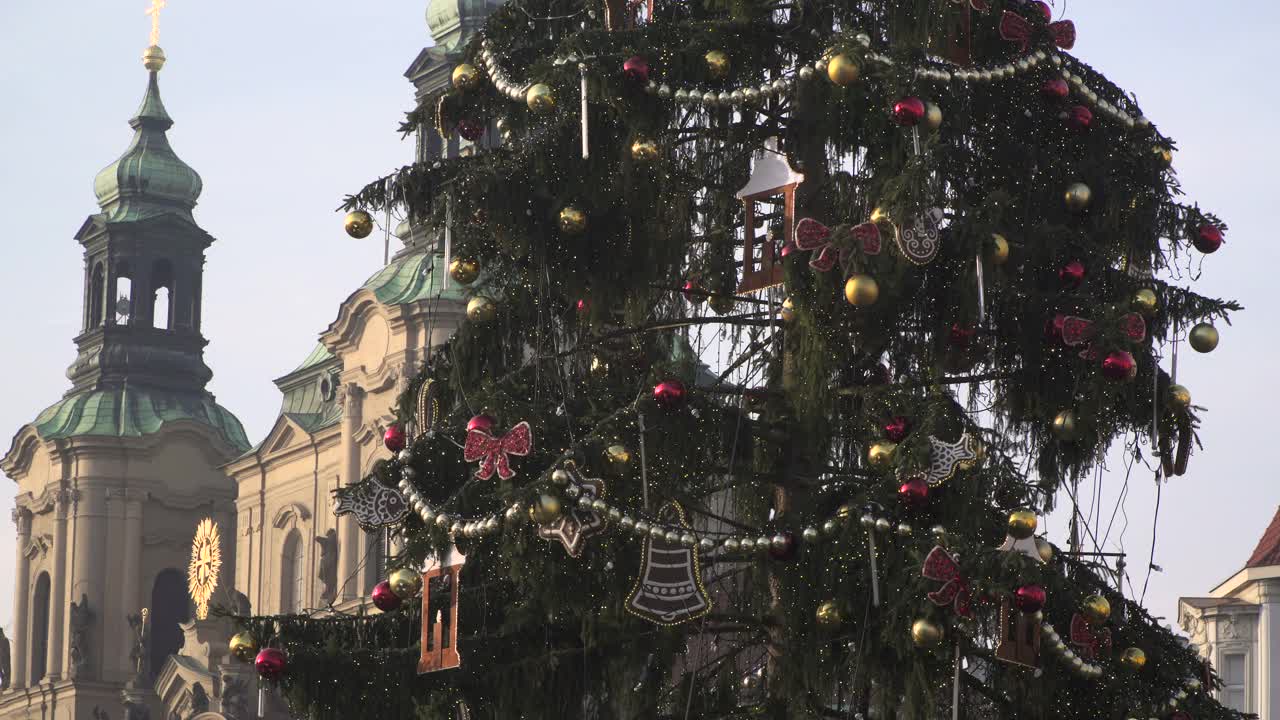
(235, 698)
(135, 708)
(328, 573)
(6, 670)
(141, 645)
(199, 699)
(78, 645)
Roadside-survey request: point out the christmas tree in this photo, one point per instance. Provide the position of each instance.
(786, 322)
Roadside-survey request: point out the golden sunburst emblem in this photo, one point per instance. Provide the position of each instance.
(206, 561)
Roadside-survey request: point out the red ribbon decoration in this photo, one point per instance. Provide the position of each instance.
(1079, 331)
(1015, 28)
(494, 453)
(942, 566)
(813, 235)
(1092, 641)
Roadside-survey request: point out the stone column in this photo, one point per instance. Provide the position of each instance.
(58, 592)
(88, 580)
(21, 597)
(1266, 674)
(349, 531)
(131, 562)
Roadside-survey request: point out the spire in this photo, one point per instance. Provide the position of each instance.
(148, 179)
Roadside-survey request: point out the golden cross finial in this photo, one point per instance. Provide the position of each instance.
(154, 12)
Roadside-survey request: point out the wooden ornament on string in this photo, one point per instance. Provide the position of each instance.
(440, 585)
(626, 14)
(1019, 636)
(774, 182)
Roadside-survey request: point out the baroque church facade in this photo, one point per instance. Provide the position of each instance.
(114, 478)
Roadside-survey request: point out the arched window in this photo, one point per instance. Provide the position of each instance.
(123, 309)
(169, 607)
(40, 629)
(161, 294)
(96, 286)
(292, 571)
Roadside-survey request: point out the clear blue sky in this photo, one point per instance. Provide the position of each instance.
(284, 107)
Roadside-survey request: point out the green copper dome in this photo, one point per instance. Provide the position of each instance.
(149, 179)
(452, 22)
(136, 411)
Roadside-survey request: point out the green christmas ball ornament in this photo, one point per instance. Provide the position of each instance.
(1203, 338)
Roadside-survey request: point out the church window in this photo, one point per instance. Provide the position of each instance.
(96, 286)
(1233, 681)
(292, 571)
(40, 629)
(169, 608)
(162, 306)
(124, 295)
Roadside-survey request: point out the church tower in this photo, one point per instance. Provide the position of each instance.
(113, 477)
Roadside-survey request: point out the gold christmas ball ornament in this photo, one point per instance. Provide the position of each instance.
(999, 249)
(358, 224)
(1146, 302)
(1096, 609)
(244, 646)
(1164, 156)
(879, 215)
(644, 151)
(1045, 550)
(1179, 397)
(788, 312)
(861, 290)
(932, 116)
(828, 615)
(1064, 426)
(722, 304)
(618, 454)
(926, 633)
(465, 77)
(546, 510)
(464, 271)
(405, 583)
(1022, 524)
(1203, 338)
(1078, 197)
(1133, 659)
(481, 310)
(573, 221)
(881, 454)
(540, 98)
(717, 64)
(843, 71)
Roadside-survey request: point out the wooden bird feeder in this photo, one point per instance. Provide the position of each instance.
(440, 615)
(770, 191)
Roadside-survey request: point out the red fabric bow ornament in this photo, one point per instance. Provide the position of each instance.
(1015, 28)
(1079, 331)
(813, 235)
(942, 566)
(493, 453)
(1093, 642)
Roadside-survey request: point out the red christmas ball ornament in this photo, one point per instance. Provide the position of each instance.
(914, 492)
(896, 429)
(394, 438)
(788, 248)
(270, 663)
(1055, 89)
(1072, 274)
(470, 130)
(1119, 365)
(1044, 9)
(782, 546)
(384, 598)
(693, 292)
(1079, 118)
(1029, 598)
(961, 336)
(583, 306)
(484, 423)
(908, 111)
(636, 69)
(1209, 239)
(669, 394)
